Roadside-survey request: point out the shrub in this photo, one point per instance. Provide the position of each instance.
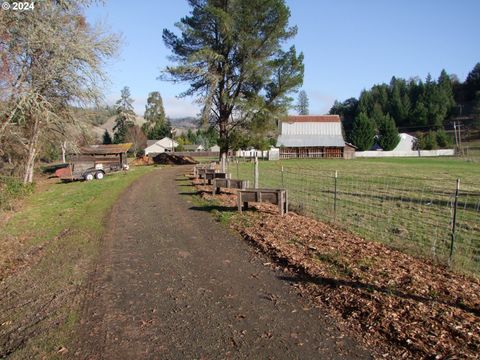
(443, 139)
(427, 141)
(10, 189)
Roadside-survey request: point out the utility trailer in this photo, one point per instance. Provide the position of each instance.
(94, 162)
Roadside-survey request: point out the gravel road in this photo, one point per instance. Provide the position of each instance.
(172, 283)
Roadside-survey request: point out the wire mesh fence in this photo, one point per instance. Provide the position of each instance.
(415, 214)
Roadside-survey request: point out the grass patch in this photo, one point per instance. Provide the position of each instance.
(50, 247)
(213, 206)
(335, 262)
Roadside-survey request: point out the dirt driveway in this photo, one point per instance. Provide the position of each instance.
(174, 284)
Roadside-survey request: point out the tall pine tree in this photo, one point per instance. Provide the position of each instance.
(303, 103)
(476, 110)
(232, 58)
(156, 125)
(472, 83)
(125, 116)
(107, 139)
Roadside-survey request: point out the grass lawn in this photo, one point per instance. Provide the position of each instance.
(404, 202)
(48, 250)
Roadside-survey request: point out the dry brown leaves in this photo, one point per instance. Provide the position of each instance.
(398, 304)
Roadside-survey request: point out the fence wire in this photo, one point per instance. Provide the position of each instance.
(413, 214)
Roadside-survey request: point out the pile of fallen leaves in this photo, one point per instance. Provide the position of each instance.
(397, 304)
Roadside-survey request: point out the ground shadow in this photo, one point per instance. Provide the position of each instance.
(188, 193)
(210, 208)
(334, 283)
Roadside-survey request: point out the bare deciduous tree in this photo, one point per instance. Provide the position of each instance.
(51, 59)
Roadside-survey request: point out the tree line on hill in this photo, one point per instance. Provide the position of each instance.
(413, 106)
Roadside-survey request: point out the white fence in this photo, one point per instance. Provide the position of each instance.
(412, 153)
(272, 154)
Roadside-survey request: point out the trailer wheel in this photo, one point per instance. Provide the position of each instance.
(99, 175)
(89, 177)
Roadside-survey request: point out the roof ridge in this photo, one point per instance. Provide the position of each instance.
(313, 118)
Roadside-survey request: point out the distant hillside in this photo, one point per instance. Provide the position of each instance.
(110, 123)
(186, 122)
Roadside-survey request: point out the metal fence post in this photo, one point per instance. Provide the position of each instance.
(255, 172)
(283, 183)
(335, 197)
(454, 221)
(223, 161)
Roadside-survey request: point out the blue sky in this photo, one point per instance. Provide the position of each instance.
(349, 45)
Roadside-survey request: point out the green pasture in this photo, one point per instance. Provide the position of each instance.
(407, 203)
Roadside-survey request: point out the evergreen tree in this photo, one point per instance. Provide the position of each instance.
(412, 104)
(472, 83)
(363, 132)
(156, 125)
(419, 115)
(107, 139)
(347, 111)
(399, 102)
(377, 115)
(388, 137)
(303, 103)
(380, 96)
(476, 110)
(366, 103)
(232, 58)
(191, 137)
(446, 86)
(125, 116)
(160, 130)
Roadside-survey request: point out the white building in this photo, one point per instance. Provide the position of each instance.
(194, 147)
(406, 143)
(405, 148)
(159, 146)
(215, 148)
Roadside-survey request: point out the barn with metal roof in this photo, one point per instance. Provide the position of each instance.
(313, 136)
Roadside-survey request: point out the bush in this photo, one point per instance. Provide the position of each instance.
(10, 189)
(427, 141)
(443, 139)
